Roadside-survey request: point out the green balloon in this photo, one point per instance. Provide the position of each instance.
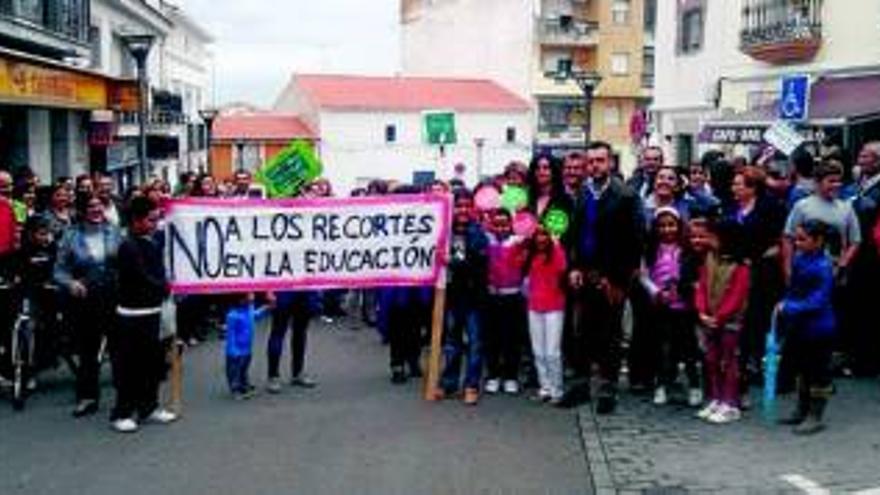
(556, 222)
(514, 198)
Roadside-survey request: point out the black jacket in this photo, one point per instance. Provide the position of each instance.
(619, 234)
(142, 280)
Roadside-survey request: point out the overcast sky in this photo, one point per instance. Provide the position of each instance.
(260, 43)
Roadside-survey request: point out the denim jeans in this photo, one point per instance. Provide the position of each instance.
(237, 373)
(462, 336)
(290, 311)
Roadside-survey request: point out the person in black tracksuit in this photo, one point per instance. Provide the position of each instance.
(136, 350)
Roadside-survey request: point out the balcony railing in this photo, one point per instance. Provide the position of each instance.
(568, 31)
(155, 118)
(66, 19)
(781, 31)
(647, 80)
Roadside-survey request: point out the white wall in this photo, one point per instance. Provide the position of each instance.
(493, 39)
(353, 147)
(686, 83)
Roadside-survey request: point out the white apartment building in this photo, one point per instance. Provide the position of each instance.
(180, 77)
(374, 127)
(189, 73)
(522, 43)
(720, 66)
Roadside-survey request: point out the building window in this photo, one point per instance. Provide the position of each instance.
(620, 12)
(510, 135)
(620, 64)
(95, 44)
(33, 10)
(648, 67)
(390, 133)
(611, 115)
(650, 16)
(691, 24)
(560, 114)
(563, 65)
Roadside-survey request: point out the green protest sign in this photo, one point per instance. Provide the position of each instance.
(440, 128)
(285, 174)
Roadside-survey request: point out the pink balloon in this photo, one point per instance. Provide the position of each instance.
(487, 198)
(524, 224)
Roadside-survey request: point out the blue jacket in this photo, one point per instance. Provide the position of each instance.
(807, 303)
(240, 322)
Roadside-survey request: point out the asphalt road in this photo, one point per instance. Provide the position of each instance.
(355, 434)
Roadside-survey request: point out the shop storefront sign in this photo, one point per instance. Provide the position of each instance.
(751, 134)
(34, 84)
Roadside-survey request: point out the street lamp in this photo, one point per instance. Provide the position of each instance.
(587, 81)
(139, 46)
(208, 115)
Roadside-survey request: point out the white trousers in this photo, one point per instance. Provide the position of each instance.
(545, 330)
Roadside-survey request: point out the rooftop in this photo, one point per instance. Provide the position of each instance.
(260, 127)
(348, 92)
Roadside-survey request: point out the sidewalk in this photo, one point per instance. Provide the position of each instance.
(649, 449)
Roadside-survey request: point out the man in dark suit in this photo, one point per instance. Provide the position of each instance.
(605, 255)
(864, 274)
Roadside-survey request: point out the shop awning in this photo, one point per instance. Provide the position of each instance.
(834, 102)
(850, 99)
(34, 81)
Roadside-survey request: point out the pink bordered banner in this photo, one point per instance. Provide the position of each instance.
(249, 245)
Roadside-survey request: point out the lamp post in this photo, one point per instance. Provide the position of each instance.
(587, 81)
(208, 116)
(139, 46)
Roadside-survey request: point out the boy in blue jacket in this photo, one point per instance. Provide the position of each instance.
(466, 291)
(240, 322)
(808, 316)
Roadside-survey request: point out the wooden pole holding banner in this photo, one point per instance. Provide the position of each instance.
(176, 378)
(432, 377)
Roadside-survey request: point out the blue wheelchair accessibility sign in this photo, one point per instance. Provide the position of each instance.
(794, 104)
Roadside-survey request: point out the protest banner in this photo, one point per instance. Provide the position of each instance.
(222, 246)
(295, 166)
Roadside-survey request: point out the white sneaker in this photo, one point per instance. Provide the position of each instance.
(162, 417)
(660, 398)
(709, 410)
(274, 386)
(125, 425)
(511, 387)
(695, 397)
(492, 386)
(725, 414)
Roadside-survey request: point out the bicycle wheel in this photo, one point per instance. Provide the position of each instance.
(20, 358)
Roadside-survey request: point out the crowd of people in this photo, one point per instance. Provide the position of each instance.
(669, 270)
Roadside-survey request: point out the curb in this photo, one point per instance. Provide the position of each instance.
(597, 461)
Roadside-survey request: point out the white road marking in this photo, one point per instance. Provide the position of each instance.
(869, 491)
(807, 485)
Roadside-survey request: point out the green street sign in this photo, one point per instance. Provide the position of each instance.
(440, 128)
(285, 174)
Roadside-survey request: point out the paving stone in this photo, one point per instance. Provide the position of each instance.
(650, 449)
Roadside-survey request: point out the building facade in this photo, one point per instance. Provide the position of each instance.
(529, 45)
(375, 127)
(180, 81)
(68, 90)
(720, 79)
(47, 90)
